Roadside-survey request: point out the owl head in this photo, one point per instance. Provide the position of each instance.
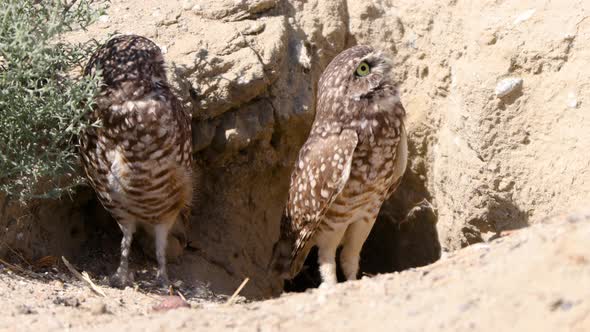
(355, 79)
(128, 58)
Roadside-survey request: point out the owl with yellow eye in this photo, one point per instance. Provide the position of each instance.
(353, 160)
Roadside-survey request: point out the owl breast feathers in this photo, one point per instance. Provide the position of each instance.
(352, 161)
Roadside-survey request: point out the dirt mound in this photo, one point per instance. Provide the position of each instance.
(530, 279)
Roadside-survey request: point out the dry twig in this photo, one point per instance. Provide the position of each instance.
(232, 299)
(181, 296)
(83, 277)
(20, 269)
(13, 267)
(18, 254)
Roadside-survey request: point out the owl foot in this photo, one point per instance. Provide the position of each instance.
(121, 280)
(162, 279)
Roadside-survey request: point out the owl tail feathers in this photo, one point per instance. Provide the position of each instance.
(280, 263)
(283, 262)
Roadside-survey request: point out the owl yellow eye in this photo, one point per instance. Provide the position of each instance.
(363, 69)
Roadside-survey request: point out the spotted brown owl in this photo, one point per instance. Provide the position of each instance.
(138, 159)
(353, 160)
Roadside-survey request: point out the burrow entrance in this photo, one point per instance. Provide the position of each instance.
(404, 236)
(222, 252)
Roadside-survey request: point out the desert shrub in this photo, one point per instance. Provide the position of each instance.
(42, 98)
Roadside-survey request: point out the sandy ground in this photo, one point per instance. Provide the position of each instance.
(534, 279)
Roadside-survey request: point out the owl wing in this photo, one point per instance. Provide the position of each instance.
(321, 171)
(401, 157)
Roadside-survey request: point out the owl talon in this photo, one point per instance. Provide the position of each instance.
(121, 280)
(162, 281)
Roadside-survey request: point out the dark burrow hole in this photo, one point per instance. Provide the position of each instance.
(101, 249)
(404, 236)
(390, 247)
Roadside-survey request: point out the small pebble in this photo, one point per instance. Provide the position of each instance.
(489, 38)
(507, 86)
(524, 16)
(58, 284)
(166, 22)
(303, 56)
(67, 301)
(99, 309)
(26, 310)
(505, 184)
(572, 100)
(187, 5)
(561, 304)
(254, 29)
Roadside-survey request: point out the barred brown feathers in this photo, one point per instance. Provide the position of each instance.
(139, 158)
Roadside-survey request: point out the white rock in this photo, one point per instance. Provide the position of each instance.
(303, 56)
(507, 86)
(572, 100)
(504, 184)
(230, 133)
(524, 16)
(187, 5)
(104, 18)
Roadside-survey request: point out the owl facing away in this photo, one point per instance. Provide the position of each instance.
(139, 159)
(353, 160)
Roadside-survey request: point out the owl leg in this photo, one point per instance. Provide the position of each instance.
(327, 242)
(161, 237)
(122, 277)
(355, 237)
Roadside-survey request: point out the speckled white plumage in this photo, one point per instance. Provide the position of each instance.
(352, 161)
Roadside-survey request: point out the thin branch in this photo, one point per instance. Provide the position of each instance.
(83, 277)
(67, 7)
(232, 299)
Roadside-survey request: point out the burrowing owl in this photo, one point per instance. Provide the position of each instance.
(353, 159)
(139, 158)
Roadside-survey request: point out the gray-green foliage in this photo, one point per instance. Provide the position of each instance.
(41, 106)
